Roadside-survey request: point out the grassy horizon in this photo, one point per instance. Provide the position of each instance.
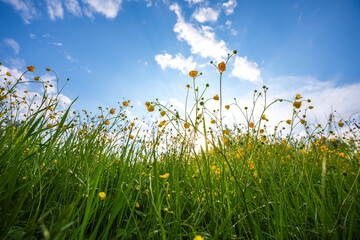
(68, 174)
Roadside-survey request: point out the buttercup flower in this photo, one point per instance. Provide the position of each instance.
(227, 107)
(193, 73)
(297, 105)
(8, 74)
(222, 67)
(36, 78)
(31, 68)
(288, 121)
(251, 125)
(186, 125)
(213, 121)
(126, 103)
(107, 122)
(48, 69)
(162, 113)
(216, 97)
(297, 97)
(102, 195)
(112, 111)
(165, 175)
(198, 237)
(151, 108)
(341, 124)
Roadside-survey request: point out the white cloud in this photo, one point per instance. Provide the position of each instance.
(246, 70)
(57, 44)
(70, 58)
(73, 7)
(229, 7)
(55, 9)
(194, 1)
(178, 62)
(109, 8)
(32, 36)
(13, 44)
(206, 15)
(202, 41)
(25, 8)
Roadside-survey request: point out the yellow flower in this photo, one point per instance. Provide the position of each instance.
(341, 124)
(147, 104)
(162, 123)
(36, 78)
(297, 105)
(222, 67)
(48, 69)
(112, 111)
(213, 121)
(151, 108)
(193, 73)
(288, 121)
(162, 113)
(198, 237)
(131, 136)
(107, 122)
(186, 125)
(302, 121)
(251, 125)
(165, 175)
(227, 107)
(251, 167)
(126, 103)
(49, 125)
(137, 205)
(311, 107)
(102, 195)
(263, 117)
(8, 74)
(216, 97)
(297, 97)
(80, 132)
(23, 178)
(31, 68)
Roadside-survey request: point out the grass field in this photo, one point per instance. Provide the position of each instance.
(68, 174)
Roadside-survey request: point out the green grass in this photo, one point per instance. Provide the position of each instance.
(240, 186)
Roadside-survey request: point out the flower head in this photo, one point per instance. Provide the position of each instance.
(112, 111)
(297, 97)
(165, 175)
(297, 104)
(341, 124)
(107, 122)
(198, 237)
(193, 73)
(8, 74)
(151, 108)
(222, 67)
(102, 195)
(251, 125)
(31, 68)
(162, 113)
(36, 78)
(186, 125)
(288, 121)
(216, 97)
(227, 107)
(126, 103)
(48, 69)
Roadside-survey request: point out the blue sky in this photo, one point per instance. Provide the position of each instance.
(143, 49)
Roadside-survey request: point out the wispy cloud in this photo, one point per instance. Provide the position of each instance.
(194, 1)
(13, 44)
(229, 7)
(201, 40)
(246, 70)
(57, 44)
(178, 62)
(206, 14)
(109, 8)
(55, 9)
(73, 7)
(70, 58)
(25, 8)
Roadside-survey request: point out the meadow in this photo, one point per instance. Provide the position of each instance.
(69, 174)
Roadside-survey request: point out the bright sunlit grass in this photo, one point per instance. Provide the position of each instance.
(67, 174)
